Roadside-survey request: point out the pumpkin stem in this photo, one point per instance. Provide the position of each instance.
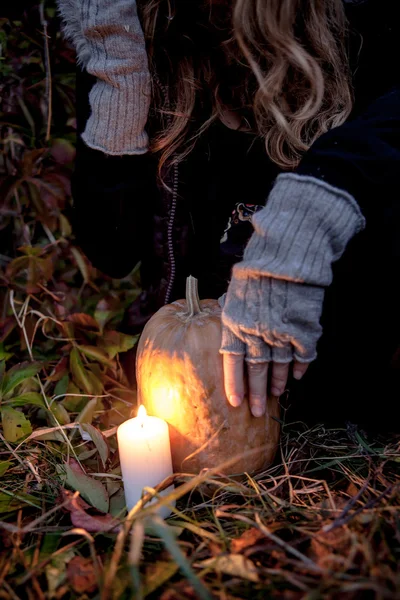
(192, 297)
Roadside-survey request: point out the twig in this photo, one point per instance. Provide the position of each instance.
(289, 549)
(343, 520)
(48, 71)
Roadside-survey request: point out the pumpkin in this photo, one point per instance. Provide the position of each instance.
(180, 379)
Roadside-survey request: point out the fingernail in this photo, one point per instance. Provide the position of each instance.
(297, 374)
(276, 391)
(235, 400)
(257, 411)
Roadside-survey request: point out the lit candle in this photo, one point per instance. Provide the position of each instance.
(145, 456)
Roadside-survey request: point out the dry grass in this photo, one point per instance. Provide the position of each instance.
(322, 522)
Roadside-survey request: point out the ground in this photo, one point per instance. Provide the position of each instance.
(322, 522)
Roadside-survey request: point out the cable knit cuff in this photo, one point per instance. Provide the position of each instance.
(110, 43)
(304, 227)
(119, 114)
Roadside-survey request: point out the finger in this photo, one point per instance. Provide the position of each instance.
(234, 378)
(279, 377)
(299, 369)
(258, 379)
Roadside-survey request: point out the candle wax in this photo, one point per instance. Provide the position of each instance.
(145, 456)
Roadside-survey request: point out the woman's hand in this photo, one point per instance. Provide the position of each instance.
(270, 324)
(260, 377)
(274, 301)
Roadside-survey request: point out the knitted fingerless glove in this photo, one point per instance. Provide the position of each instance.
(274, 301)
(108, 37)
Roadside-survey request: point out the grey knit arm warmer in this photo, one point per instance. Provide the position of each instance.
(110, 43)
(274, 301)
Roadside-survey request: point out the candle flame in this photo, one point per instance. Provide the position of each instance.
(142, 413)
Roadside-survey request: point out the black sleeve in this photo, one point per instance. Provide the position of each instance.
(112, 199)
(362, 156)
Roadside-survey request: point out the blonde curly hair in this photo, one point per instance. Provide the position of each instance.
(281, 64)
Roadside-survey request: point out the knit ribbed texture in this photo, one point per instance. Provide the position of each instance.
(303, 229)
(274, 302)
(113, 49)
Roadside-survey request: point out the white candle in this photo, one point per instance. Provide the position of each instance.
(145, 456)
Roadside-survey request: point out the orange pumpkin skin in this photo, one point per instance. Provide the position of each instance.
(180, 379)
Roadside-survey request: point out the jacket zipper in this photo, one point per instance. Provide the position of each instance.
(171, 253)
(174, 200)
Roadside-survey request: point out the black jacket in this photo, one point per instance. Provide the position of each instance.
(122, 216)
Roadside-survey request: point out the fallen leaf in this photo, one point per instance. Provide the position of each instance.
(81, 518)
(98, 439)
(330, 549)
(105, 310)
(52, 434)
(28, 398)
(56, 571)
(249, 538)
(118, 503)
(15, 424)
(235, 565)
(97, 354)
(10, 503)
(6, 327)
(4, 466)
(83, 321)
(115, 342)
(157, 574)
(79, 373)
(87, 413)
(60, 413)
(351, 490)
(91, 489)
(82, 575)
(18, 374)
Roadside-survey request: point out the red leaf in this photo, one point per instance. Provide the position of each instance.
(82, 575)
(59, 370)
(249, 538)
(6, 327)
(84, 321)
(93, 523)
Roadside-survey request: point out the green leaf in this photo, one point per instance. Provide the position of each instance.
(60, 413)
(61, 386)
(76, 402)
(50, 544)
(12, 501)
(4, 466)
(79, 373)
(86, 415)
(92, 490)
(118, 503)
(115, 342)
(18, 374)
(95, 379)
(98, 440)
(81, 264)
(27, 398)
(106, 309)
(97, 354)
(4, 355)
(15, 425)
(2, 370)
